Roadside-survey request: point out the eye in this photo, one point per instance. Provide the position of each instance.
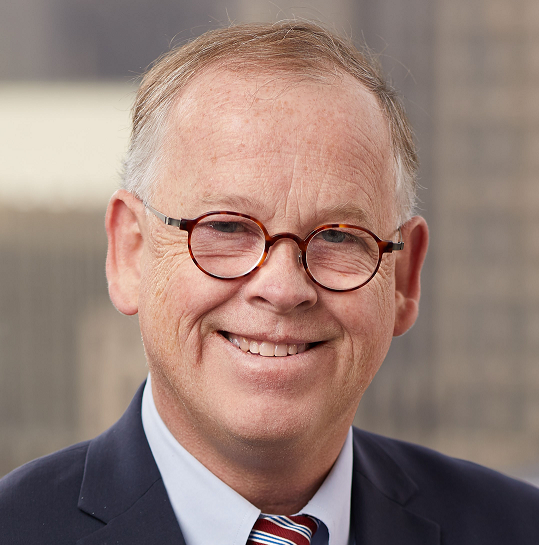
(227, 226)
(332, 235)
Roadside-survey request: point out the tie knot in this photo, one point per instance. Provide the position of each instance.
(281, 530)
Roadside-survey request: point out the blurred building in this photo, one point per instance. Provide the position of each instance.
(465, 380)
(477, 395)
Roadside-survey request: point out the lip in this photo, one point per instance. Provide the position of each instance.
(267, 375)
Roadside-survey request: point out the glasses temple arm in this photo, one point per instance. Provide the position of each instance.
(396, 246)
(165, 219)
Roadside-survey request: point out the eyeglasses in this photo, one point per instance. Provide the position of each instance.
(228, 245)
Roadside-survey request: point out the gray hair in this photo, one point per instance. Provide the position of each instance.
(292, 47)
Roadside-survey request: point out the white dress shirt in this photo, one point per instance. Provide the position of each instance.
(209, 511)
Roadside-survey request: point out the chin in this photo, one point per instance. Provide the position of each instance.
(273, 422)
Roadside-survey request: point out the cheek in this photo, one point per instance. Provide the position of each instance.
(369, 312)
(367, 321)
(173, 303)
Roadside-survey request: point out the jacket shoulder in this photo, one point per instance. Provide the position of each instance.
(465, 498)
(40, 498)
(427, 466)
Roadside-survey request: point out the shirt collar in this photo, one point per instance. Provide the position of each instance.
(198, 496)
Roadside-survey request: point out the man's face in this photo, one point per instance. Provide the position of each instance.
(295, 156)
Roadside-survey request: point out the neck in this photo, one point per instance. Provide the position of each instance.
(277, 476)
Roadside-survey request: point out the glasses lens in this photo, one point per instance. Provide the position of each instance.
(342, 258)
(227, 246)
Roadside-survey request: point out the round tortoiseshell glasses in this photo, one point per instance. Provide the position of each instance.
(228, 245)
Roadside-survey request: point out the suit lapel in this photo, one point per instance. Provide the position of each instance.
(149, 521)
(123, 488)
(380, 492)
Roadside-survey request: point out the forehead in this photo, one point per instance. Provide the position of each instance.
(286, 145)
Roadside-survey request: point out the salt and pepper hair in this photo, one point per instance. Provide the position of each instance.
(296, 48)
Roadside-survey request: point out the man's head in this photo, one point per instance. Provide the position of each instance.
(295, 145)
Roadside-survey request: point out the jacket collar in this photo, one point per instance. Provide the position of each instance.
(381, 491)
(122, 487)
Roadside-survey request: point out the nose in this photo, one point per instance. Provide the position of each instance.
(282, 283)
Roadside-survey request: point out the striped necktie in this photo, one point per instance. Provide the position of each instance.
(281, 530)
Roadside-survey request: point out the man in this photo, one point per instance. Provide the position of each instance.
(265, 237)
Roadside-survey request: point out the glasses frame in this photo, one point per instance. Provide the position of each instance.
(384, 246)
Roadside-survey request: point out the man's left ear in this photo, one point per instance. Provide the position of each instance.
(409, 262)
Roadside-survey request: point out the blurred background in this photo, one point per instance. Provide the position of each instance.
(465, 380)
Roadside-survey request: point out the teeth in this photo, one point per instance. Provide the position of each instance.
(265, 348)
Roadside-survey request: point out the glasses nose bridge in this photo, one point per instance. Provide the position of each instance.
(272, 240)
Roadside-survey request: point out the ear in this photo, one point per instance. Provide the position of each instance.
(124, 250)
(409, 262)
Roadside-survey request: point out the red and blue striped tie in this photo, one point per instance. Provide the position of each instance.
(281, 530)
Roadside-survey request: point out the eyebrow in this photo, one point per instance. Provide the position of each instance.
(342, 213)
(346, 212)
(233, 202)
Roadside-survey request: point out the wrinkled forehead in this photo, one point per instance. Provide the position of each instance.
(331, 125)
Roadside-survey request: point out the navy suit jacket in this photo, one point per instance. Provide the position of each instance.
(109, 491)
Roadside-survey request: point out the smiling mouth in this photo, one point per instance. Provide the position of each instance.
(266, 348)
